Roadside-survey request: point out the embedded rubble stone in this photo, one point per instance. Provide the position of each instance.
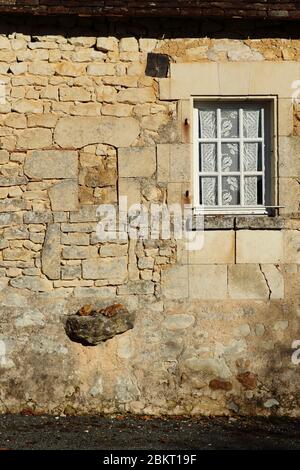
(97, 327)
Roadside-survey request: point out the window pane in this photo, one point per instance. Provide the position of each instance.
(230, 157)
(229, 123)
(208, 157)
(253, 190)
(207, 124)
(230, 190)
(208, 191)
(252, 123)
(252, 157)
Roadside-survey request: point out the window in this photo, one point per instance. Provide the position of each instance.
(232, 149)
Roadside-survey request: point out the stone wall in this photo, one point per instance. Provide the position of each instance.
(82, 125)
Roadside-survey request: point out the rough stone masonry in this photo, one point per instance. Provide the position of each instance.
(81, 125)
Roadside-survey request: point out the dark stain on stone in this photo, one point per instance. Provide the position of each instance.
(157, 65)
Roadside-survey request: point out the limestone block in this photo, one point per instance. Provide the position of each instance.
(33, 217)
(247, 281)
(113, 250)
(129, 45)
(75, 239)
(79, 252)
(36, 138)
(16, 120)
(70, 69)
(147, 45)
(33, 283)
(136, 288)
(18, 68)
(28, 106)
(64, 196)
(124, 81)
(42, 120)
(218, 248)
(4, 43)
(174, 282)
(259, 246)
(12, 205)
(105, 268)
(136, 95)
(292, 246)
(207, 281)
(82, 41)
(41, 68)
(274, 279)
(74, 94)
(283, 75)
(16, 254)
(50, 164)
(289, 161)
(146, 263)
(75, 132)
(71, 272)
(106, 44)
(100, 70)
(137, 162)
(51, 252)
(119, 110)
(4, 157)
(82, 227)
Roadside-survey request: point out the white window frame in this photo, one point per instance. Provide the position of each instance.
(273, 190)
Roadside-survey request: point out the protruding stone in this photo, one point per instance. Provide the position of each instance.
(93, 329)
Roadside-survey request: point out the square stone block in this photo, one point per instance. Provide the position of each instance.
(218, 248)
(246, 281)
(259, 246)
(291, 246)
(137, 162)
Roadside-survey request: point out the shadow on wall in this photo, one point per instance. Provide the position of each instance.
(157, 28)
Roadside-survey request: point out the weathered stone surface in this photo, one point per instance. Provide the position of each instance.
(12, 205)
(136, 288)
(100, 177)
(93, 329)
(64, 196)
(136, 95)
(259, 246)
(33, 283)
(33, 217)
(51, 252)
(137, 161)
(106, 44)
(218, 248)
(274, 279)
(259, 223)
(50, 164)
(36, 138)
(74, 132)
(247, 282)
(107, 268)
(79, 252)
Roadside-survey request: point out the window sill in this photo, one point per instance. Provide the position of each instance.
(240, 222)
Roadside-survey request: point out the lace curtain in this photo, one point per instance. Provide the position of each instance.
(230, 156)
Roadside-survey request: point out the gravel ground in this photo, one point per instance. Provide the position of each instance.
(134, 433)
